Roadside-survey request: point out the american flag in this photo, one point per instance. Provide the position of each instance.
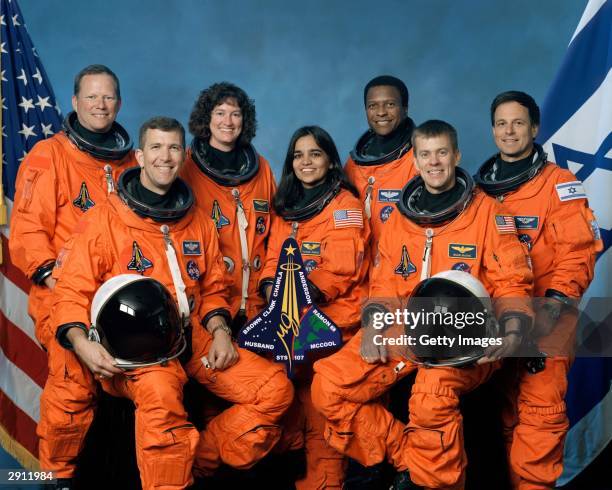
(29, 114)
(505, 224)
(345, 218)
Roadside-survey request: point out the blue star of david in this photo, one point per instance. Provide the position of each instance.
(589, 163)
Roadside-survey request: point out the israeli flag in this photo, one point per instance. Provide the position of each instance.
(576, 132)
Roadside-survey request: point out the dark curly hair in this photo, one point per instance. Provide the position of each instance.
(216, 94)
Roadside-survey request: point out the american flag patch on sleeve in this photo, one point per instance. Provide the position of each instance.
(505, 224)
(344, 218)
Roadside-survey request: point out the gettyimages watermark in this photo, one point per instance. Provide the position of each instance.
(427, 332)
(462, 328)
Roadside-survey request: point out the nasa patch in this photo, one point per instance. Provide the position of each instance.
(385, 213)
(191, 247)
(310, 248)
(193, 270)
(310, 265)
(462, 251)
(389, 195)
(526, 222)
(260, 225)
(462, 266)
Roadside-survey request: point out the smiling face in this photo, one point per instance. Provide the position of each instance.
(384, 109)
(160, 158)
(97, 103)
(436, 160)
(513, 131)
(310, 162)
(225, 125)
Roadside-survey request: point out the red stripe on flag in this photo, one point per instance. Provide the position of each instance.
(22, 351)
(18, 424)
(10, 271)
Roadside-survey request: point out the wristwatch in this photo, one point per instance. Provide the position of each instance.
(221, 326)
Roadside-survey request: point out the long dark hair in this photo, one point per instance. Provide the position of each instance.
(290, 189)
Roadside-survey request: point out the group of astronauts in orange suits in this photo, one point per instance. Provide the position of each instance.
(208, 222)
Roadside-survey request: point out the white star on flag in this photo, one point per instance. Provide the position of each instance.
(46, 129)
(22, 77)
(57, 108)
(3, 77)
(43, 102)
(15, 21)
(2, 20)
(21, 159)
(38, 76)
(3, 106)
(26, 104)
(2, 50)
(27, 131)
